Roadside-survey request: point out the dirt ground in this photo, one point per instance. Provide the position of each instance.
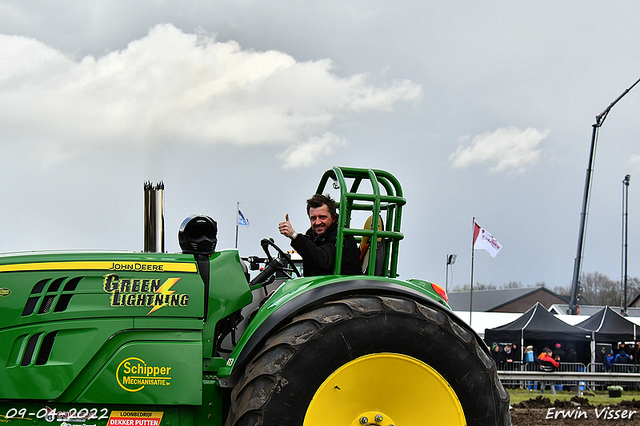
(577, 411)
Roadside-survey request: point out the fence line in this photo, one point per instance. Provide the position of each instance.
(564, 366)
(570, 374)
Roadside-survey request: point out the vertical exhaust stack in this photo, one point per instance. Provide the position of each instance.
(154, 217)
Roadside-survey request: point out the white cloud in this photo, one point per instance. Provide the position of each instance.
(634, 160)
(305, 154)
(507, 148)
(172, 86)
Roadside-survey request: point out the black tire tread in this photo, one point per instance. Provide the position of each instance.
(264, 374)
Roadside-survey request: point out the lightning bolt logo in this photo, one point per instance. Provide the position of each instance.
(165, 291)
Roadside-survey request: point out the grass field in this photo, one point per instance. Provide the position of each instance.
(599, 397)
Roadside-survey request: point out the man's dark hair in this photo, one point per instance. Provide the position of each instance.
(319, 200)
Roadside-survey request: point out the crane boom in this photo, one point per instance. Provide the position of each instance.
(577, 265)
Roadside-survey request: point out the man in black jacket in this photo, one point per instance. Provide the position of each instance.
(318, 245)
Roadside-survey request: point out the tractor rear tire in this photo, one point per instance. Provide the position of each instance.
(370, 360)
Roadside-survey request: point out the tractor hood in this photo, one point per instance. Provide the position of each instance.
(37, 287)
(60, 311)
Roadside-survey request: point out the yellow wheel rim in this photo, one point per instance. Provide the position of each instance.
(385, 389)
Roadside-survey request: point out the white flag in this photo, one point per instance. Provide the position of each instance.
(484, 241)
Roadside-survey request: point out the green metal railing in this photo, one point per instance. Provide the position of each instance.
(385, 201)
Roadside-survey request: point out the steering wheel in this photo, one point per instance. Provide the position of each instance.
(274, 264)
(266, 243)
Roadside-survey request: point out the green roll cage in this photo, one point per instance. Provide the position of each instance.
(385, 199)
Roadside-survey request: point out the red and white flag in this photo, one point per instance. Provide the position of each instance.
(484, 241)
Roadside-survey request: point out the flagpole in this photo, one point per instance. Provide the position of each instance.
(473, 252)
(237, 221)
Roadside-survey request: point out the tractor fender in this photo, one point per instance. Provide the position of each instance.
(300, 294)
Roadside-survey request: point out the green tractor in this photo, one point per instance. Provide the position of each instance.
(150, 339)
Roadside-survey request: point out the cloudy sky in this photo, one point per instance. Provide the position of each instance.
(481, 109)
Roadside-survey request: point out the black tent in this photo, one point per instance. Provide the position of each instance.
(540, 328)
(608, 326)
